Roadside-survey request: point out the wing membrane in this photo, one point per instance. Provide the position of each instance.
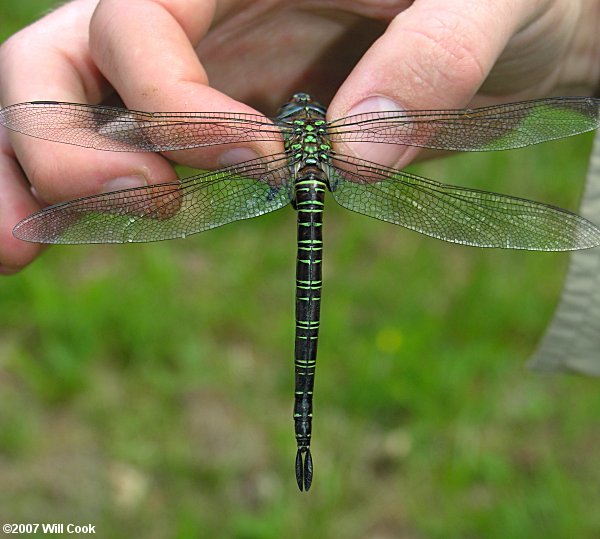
(121, 130)
(511, 125)
(501, 127)
(457, 214)
(165, 211)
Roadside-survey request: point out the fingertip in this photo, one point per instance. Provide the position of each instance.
(16, 203)
(16, 254)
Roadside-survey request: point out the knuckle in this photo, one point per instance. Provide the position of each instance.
(447, 48)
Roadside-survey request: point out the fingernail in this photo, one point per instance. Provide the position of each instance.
(124, 182)
(236, 156)
(380, 153)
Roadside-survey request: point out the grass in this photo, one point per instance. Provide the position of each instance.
(148, 389)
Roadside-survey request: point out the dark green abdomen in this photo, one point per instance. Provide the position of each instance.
(310, 194)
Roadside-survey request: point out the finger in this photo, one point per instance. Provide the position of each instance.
(16, 203)
(50, 61)
(434, 55)
(146, 49)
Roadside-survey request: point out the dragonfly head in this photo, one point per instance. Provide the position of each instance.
(301, 102)
(301, 98)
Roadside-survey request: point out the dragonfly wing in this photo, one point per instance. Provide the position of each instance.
(500, 127)
(457, 214)
(165, 211)
(121, 130)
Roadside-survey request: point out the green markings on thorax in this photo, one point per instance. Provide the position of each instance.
(309, 142)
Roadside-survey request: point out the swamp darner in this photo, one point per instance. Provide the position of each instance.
(300, 175)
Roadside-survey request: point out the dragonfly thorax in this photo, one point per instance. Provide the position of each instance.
(308, 145)
(307, 142)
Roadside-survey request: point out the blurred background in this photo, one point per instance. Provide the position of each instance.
(147, 389)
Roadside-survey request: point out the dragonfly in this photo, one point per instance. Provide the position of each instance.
(308, 166)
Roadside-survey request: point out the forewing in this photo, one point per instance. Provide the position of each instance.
(501, 127)
(121, 130)
(457, 214)
(165, 211)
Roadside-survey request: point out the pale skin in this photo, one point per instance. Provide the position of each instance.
(229, 55)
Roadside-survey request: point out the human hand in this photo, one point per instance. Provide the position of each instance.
(431, 54)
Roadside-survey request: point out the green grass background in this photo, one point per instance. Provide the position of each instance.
(147, 389)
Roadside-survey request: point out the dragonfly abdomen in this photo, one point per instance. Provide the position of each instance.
(310, 195)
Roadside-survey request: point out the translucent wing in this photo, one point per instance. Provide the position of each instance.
(165, 211)
(457, 214)
(501, 127)
(122, 130)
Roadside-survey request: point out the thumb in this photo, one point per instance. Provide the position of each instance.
(434, 55)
